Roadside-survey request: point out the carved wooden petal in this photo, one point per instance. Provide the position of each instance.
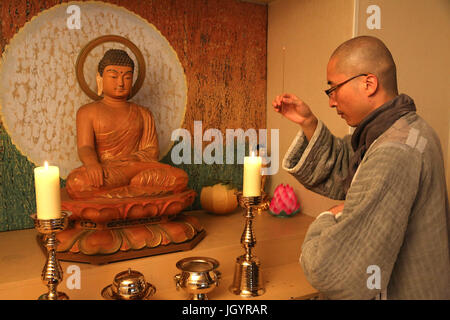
(178, 231)
(138, 236)
(100, 242)
(67, 239)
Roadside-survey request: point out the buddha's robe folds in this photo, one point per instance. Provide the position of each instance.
(129, 158)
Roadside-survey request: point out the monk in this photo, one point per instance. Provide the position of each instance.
(117, 142)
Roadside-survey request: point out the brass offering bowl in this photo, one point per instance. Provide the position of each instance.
(198, 276)
(129, 285)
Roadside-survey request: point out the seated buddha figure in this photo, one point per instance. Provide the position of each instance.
(117, 142)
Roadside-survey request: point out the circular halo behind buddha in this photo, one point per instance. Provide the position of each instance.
(39, 94)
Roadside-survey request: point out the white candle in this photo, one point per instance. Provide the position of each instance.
(48, 195)
(252, 176)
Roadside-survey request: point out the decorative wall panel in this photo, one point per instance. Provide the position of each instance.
(206, 59)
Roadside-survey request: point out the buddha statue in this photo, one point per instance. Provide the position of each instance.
(117, 142)
(124, 203)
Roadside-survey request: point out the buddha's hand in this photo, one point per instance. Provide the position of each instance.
(95, 174)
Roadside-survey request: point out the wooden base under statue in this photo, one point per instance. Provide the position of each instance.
(109, 230)
(125, 255)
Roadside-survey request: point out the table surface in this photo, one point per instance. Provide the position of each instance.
(278, 248)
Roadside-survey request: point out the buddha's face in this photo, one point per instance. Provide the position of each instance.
(117, 81)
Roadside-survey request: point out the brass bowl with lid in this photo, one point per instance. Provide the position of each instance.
(129, 285)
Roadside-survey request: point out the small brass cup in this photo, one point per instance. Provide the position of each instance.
(198, 276)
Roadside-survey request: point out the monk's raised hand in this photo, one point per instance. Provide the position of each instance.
(277, 103)
(292, 108)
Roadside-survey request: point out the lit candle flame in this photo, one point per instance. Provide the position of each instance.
(46, 165)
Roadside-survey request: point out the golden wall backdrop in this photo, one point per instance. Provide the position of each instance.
(221, 45)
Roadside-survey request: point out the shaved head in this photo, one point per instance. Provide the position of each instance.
(367, 54)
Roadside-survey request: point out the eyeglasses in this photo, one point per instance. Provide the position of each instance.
(330, 90)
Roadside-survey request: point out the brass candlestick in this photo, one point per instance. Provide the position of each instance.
(52, 273)
(248, 281)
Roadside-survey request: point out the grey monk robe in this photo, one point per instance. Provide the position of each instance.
(396, 214)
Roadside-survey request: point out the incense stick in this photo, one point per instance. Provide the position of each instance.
(284, 54)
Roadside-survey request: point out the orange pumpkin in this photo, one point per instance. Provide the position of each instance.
(219, 198)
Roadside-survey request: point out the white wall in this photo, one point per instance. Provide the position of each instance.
(310, 31)
(417, 33)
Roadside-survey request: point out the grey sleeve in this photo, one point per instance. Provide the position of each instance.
(322, 164)
(337, 254)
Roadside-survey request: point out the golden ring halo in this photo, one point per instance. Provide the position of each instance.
(98, 41)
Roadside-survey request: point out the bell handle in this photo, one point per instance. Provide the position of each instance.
(177, 278)
(218, 276)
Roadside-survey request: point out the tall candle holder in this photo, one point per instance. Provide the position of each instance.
(52, 273)
(248, 281)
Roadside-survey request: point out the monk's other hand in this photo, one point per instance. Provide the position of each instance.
(336, 209)
(95, 174)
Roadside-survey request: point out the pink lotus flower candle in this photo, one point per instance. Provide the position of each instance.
(284, 202)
